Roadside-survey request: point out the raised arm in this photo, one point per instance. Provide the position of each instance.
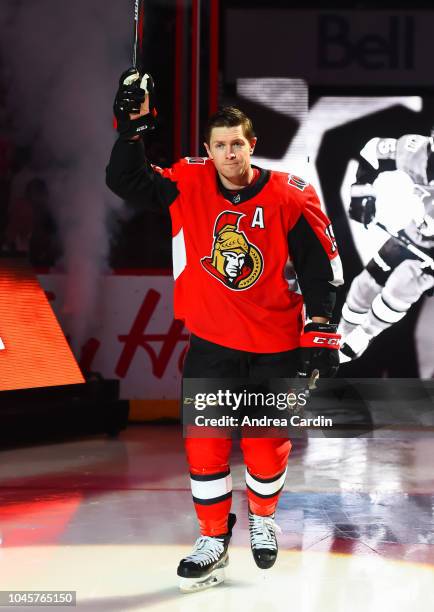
(129, 174)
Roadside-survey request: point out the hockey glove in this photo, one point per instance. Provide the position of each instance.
(129, 100)
(319, 350)
(362, 205)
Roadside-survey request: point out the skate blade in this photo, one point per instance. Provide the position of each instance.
(193, 585)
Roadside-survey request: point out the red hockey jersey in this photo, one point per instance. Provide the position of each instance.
(230, 249)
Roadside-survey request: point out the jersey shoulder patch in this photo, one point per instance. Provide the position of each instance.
(196, 160)
(297, 182)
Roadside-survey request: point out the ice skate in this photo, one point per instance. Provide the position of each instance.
(263, 539)
(204, 567)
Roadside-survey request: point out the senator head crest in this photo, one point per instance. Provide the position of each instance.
(234, 261)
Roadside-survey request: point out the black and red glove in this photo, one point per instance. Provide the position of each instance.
(130, 96)
(319, 350)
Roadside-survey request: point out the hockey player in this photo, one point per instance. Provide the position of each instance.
(402, 270)
(233, 227)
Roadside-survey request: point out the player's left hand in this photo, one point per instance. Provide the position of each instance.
(319, 350)
(134, 105)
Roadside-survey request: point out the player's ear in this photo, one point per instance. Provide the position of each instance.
(253, 142)
(208, 150)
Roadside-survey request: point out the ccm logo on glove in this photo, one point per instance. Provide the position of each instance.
(328, 340)
(319, 345)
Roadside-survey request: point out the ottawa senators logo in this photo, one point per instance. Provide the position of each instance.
(234, 260)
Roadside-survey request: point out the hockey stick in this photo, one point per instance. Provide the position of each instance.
(311, 383)
(308, 387)
(145, 120)
(139, 23)
(407, 243)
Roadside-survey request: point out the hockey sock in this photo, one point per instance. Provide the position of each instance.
(263, 493)
(212, 497)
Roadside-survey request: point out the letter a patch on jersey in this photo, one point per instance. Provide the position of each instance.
(296, 181)
(258, 218)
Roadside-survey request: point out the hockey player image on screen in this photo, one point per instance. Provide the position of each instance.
(394, 190)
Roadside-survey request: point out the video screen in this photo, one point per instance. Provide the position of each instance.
(370, 158)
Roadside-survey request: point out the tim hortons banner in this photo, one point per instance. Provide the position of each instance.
(131, 335)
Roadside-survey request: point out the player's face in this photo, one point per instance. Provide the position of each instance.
(230, 150)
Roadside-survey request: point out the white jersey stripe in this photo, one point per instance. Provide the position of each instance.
(383, 312)
(356, 318)
(338, 272)
(381, 263)
(179, 254)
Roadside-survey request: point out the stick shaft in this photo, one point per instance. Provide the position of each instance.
(408, 244)
(139, 22)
